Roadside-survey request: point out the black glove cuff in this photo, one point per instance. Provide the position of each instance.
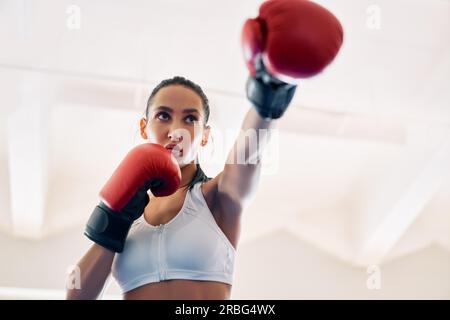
(269, 95)
(108, 228)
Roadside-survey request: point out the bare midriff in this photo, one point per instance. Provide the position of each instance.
(181, 290)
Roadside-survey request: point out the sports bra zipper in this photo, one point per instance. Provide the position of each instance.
(161, 269)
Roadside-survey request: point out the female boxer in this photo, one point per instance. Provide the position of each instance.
(180, 243)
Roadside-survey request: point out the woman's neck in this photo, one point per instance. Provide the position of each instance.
(187, 174)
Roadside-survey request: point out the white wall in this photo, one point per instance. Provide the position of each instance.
(283, 267)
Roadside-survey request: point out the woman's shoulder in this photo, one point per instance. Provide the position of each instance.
(219, 201)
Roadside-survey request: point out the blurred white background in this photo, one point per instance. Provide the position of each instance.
(356, 203)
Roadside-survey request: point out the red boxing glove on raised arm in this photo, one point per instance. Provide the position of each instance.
(295, 38)
(289, 40)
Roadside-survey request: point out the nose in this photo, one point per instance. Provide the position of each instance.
(175, 136)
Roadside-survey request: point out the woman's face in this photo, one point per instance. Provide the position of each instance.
(176, 120)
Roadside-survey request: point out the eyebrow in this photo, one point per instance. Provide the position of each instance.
(165, 108)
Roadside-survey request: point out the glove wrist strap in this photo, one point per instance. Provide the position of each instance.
(269, 95)
(108, 228)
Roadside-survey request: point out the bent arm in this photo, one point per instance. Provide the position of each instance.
(94, 268)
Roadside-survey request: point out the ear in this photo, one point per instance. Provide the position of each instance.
(143, 124)
(205, 136)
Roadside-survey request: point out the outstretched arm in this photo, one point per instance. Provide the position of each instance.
(240, 176)
(288, 41)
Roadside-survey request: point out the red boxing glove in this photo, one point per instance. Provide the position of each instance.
(148, 164)
(295, 38)
(289, 40)
(124, 197)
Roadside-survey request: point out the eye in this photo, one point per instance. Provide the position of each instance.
(163, 116)
(191, 119)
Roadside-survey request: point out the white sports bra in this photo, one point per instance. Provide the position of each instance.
(190, 246)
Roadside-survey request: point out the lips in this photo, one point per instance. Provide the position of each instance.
(170, 146)
(175, 148)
